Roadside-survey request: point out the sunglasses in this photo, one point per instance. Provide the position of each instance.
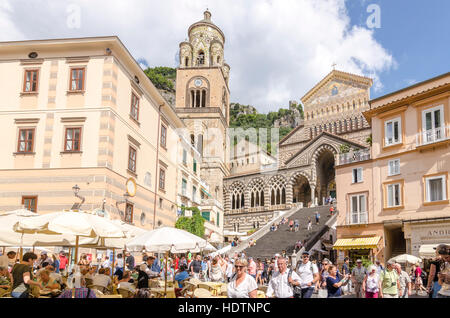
(305, 256)
(239, 267)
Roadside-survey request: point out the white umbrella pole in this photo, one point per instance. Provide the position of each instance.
(76, 249)
(113, 261)
(124, 266)
(165, 278)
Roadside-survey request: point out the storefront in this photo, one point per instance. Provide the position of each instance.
(421, 233)
(357, 248)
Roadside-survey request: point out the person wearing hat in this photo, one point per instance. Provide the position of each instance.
(44, 260)
(389, 283)
(358, 275)
(309, 275)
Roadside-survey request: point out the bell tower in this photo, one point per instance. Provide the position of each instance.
(202, 98)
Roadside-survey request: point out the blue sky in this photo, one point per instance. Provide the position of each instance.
(416, 33)
(277, 49)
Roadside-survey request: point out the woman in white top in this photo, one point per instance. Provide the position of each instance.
(370, 283)
(216, 274)
(242, 285)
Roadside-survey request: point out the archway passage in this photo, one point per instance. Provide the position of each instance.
(325, 175)
(301, 191)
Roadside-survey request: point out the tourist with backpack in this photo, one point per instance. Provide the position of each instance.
(283, 281)
(358, 275)
(309, 275)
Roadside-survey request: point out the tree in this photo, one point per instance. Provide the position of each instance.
(194, 224)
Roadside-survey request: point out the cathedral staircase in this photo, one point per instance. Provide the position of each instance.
(282, 239)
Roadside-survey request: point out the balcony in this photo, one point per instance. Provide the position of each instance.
(433, 136)
(354, 156)
(357, 218)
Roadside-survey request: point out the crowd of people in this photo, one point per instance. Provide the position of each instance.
(243, 275)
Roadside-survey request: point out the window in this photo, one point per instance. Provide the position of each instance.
(183, 186)
(77, 79)
(194, 192)
(357, 175)
(193, 140)
(201, 58)
(30, 203)
(206, 215)
(393, 195)
(392, 131)
(200, 144)
(30, 83)
(195, 166)
(394, 167)
(134, 111)
(436, 188)
(26, 140)
(184, 156)
(162, 179)
(217, 219)
(132, 159)
(129, 213)
(72, 139)
(163, 136)
(161, 203)
(358, 209)
(433, 124)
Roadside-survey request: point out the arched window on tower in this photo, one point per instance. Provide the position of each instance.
(193, 140)
(335, 127)
(186, 62)
(203, 98)
(345, 125)
(201, 58)
(218, 60)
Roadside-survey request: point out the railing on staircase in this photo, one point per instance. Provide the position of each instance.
(262, 231)
(313, 239)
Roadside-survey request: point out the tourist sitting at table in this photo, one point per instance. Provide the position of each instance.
(242, 284)
(124, 283)
(181, 275)
(151, 270)
(46, 282)
(101, 279)
(79, 290)
(5, 281)
(22, 274)
(143, 277)
(57, 277)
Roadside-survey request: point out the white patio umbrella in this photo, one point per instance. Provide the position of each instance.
(406, 258)
(164, 240)
(11, 238)
(71, 223)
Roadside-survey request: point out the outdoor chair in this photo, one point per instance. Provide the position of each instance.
(205, 286)
(99, 288)
(125, 293)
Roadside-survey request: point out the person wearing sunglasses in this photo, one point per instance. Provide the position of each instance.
(283, 282)
(242, 284)
(309, 276)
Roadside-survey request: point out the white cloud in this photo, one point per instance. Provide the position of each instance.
(277, 50)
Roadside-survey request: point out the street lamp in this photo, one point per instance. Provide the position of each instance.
(76, 190)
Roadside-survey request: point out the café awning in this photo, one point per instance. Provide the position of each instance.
(358, 243)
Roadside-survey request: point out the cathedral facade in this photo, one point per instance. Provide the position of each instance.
(303, 173)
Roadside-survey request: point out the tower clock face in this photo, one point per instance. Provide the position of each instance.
(198, 82)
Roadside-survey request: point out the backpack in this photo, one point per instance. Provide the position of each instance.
(297, 289)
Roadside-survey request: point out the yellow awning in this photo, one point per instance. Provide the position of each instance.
(357, 243)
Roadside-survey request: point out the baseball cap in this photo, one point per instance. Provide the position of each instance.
(277, 255)
(44, 252)
(305, 253)
(390, 262)
(358, 261)
(442, 249)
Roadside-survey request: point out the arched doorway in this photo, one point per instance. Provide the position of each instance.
(325, 175)
(301, 190)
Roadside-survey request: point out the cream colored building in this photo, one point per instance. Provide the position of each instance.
(82, 112)
(397, 193)
(249, 158)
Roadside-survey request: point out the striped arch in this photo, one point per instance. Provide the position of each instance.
(315, 157)
(296, 174)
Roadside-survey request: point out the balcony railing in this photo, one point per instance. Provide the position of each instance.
(432, 136)
(357, 218)
(354, 156)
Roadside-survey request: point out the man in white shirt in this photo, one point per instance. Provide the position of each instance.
(276, 262)
(230, 266)
(309, 275)
(106, 263)
(8, 259)
(283, 282)
(101, 279)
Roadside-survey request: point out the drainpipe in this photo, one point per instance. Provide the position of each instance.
(157, 164)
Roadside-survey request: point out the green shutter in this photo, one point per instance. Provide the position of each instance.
(195, 165)
(206, 215)
(218, 222)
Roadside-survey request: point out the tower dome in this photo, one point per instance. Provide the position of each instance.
(205, 46)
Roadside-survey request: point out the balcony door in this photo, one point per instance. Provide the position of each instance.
(358, 209)
(433, 124)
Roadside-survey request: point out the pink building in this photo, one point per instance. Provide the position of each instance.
(394, 198)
